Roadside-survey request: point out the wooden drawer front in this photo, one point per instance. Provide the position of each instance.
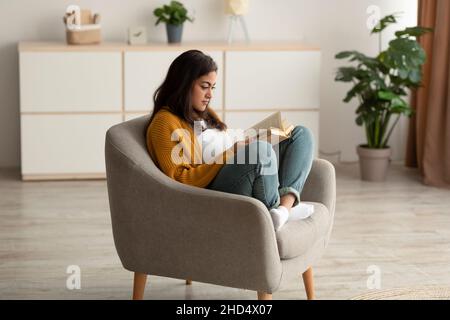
(272, 80)
(145, 71)
(244, 120)
(56, 144)
(70, 81)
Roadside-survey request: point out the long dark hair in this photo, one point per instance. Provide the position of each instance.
(175, 91)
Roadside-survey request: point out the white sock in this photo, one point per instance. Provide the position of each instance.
(279, 216)
(301, 211)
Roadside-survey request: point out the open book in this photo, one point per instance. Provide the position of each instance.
(272, 129)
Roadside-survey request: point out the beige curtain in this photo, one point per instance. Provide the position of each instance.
(429, 131)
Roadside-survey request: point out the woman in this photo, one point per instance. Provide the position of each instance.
(175, 143)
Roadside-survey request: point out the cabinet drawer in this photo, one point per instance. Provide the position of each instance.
(70, 81)
(272, 79)
(64, 144)
(308, 119)
(145, 71)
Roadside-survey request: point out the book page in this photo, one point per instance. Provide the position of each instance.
(277, 129)
(274, 120)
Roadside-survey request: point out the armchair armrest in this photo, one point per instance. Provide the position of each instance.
(321, 185)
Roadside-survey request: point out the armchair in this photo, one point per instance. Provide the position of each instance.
(166, 228)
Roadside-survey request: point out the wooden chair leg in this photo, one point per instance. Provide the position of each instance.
(264, 296)
(308, 281)
(140, 280)
(188, 282)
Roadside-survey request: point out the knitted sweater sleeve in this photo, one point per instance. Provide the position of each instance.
(165, 153)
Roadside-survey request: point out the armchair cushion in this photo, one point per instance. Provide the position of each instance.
(297, 236)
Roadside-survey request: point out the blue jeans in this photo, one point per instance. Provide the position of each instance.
(273, 172)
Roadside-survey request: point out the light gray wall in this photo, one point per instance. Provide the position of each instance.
(334, 25)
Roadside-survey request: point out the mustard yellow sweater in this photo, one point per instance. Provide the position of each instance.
(180, 159)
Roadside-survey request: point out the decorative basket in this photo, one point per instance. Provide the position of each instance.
(83, 36)
(82, 27)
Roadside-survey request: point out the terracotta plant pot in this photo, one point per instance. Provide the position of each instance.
(373, 163)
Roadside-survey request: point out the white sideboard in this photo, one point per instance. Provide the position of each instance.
(70, 95)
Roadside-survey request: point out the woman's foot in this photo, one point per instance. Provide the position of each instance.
(279, 216)
(301, 211)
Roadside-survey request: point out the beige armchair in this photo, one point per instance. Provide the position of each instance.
(165, 228)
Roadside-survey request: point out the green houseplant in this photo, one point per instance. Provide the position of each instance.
(380, 84)
(174, 15)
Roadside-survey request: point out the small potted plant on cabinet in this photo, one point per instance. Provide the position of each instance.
(173, 15)
(379, 84)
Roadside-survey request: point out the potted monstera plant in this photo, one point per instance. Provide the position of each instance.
(380, 84)
(174, 16)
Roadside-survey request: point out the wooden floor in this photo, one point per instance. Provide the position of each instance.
(400, 227)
